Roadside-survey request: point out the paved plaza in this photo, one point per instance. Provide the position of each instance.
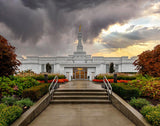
(81, 114)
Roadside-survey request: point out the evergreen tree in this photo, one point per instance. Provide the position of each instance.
(48, 68)
(111, 68)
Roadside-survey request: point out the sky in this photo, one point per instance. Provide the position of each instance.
(110, 28)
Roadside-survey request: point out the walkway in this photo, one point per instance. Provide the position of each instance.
(80, 85)
(81, 114)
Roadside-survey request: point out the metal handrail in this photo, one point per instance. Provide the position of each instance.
(108, 86)
(53, 85)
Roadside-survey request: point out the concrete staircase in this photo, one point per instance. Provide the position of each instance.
(80, 96)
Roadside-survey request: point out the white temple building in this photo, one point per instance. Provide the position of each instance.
(79, 65)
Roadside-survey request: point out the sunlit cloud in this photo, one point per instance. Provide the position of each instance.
(133, 37)
(129, 51)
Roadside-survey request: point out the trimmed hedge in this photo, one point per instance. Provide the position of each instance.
(119, 77)
(35, 93)
(125, 91)
(50, 77)
(126, 77)
(9, 114)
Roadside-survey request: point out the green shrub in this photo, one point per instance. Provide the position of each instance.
(10, 114)
(122, 77)
(61, 76)
(50, 77)
(119, 77)
(2, 106)
(26, 82)
(6, 86)
(138, 103)
(9, 100)
(24, 102)
(35, 93)
(125, 91)
(154, 118)
(146, 109)
(38, 77)
(3, 122)
(152, 114)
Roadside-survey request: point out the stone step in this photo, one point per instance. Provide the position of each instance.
(80, 97)
(80, 93)
(80, 90)
(81, 101)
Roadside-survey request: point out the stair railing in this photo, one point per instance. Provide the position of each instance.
(53, 85)
(108, 86)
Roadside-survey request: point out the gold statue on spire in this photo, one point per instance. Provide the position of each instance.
(80, 28)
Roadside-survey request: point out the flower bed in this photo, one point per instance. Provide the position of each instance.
(59, 81)
(119, 76)
(110, 80)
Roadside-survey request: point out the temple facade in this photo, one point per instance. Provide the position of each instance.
(78, 66)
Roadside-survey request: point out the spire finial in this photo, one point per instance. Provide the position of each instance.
(80, 28)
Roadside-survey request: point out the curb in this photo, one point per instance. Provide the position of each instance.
(131, 113)
(33, 112)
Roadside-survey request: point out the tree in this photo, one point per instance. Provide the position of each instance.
(111, 68)
(48, 68)
(148, 62)
(8, 62)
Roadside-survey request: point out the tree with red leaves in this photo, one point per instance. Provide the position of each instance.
(148, 62)
(8, 62)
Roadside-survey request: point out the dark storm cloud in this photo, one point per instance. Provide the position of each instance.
(23, 22)
(139, 36)
(67, 5)
(58, 20)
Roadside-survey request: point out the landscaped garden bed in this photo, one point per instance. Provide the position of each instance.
(18, 93)
(121, 78)
(141, 92)
(40, 77)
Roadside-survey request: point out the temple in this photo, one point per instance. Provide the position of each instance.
(78, 66)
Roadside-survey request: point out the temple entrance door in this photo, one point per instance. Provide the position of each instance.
(80, 74)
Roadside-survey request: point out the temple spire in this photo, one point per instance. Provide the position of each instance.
(80, 46)
(80, 28)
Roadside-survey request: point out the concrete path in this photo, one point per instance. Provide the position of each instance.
(80, 85)
(81, 114)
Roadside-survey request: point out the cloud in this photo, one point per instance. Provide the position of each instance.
(23, 22)
(136, 37)
(54, 23)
